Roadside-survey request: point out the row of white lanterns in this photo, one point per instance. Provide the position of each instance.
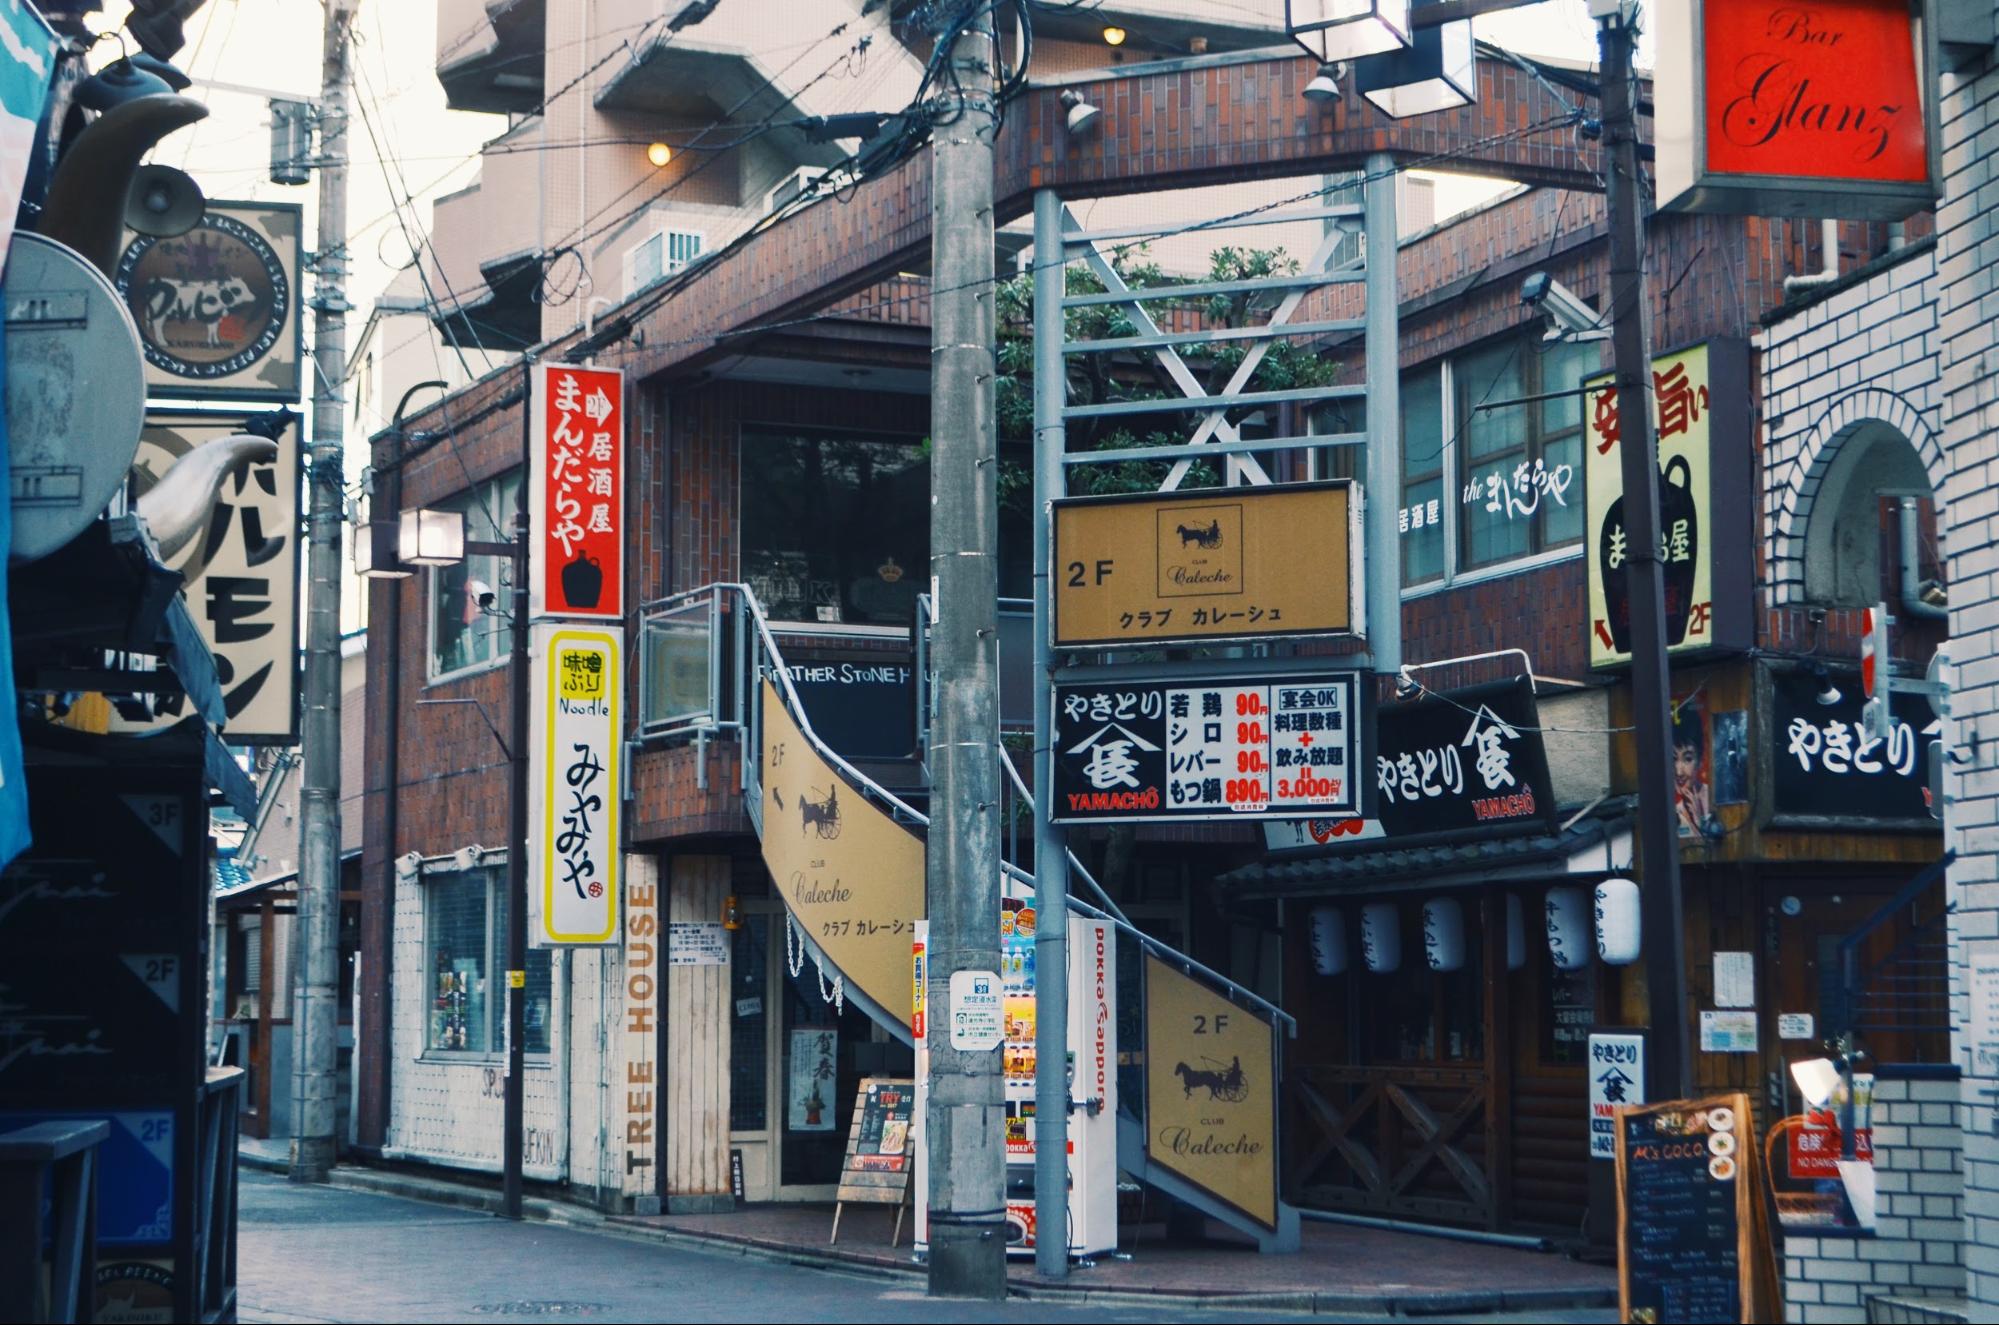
(1568, 923)
(1402, 69)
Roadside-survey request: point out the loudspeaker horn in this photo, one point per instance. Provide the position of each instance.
(164, 202)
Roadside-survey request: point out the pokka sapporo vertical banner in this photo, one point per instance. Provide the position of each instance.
(1701, 418)
(576, 492)
(1779, 108)
(574, 852)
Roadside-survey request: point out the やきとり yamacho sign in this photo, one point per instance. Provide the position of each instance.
(1150, 568)
(576, 751)
(576, 491)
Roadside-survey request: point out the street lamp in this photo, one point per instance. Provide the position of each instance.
(1436, 71)
(1332, 30)
(431, 538)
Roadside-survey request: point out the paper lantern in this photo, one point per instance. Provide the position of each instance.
(1329, 940)
(1617, 924)
(1444, 934)
(1568, 928)
(1381, 937)
(1516, 933)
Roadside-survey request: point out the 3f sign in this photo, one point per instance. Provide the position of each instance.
(1077, 571)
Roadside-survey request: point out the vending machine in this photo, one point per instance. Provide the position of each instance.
(1092, 1076)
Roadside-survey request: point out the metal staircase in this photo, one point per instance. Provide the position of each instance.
(743, 652)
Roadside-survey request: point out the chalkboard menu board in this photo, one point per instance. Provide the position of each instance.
(880, 1151)
(1686, 1223)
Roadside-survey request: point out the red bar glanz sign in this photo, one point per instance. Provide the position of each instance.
(577, 491)
(1826, 89)
(1795, 108)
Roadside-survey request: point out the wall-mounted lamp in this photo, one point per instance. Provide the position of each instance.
(659, 154)
(1325, 85)
(1114, 36)
(1082, 115)
(1828, 694)
(431, 538)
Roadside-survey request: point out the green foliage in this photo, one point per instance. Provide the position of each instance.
(1098, 378)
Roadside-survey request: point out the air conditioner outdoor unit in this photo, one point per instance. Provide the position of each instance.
(659, 255)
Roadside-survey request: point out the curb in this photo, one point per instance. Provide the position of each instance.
(440, 1191)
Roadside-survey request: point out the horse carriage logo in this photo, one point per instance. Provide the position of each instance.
(1206, 537)
(823, 815)
(1222, 1083)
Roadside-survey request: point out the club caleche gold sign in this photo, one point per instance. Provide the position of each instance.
(1138, 571)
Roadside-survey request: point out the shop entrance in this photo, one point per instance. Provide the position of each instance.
(796, 1064)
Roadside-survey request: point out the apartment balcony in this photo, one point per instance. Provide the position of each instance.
(490, 54)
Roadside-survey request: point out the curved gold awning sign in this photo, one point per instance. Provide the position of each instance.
(850, 875)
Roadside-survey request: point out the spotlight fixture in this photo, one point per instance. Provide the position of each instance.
(1114, 36)
(659, 154)
(1325, 85)
(1828, 694)
(1082, 115)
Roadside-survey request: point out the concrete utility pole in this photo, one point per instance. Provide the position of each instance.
(964, 1121)
(315, 1013)
(1631, 344)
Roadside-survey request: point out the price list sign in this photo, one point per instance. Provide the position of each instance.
(1685, 1223)
(1216, 748)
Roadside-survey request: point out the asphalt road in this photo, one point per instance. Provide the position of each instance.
(324, 1254)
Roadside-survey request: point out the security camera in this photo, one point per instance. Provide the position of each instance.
(481, 594)
(1573, 319)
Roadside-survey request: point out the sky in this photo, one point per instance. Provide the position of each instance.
(421, 150)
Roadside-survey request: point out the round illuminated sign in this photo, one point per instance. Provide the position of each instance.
(209, 303)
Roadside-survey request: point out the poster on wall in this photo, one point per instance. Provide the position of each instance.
(1782, 109)
(576, 756)
(218, 307)
(241, 576)
(1693, 769)
(1700, 416)
(812, 1078)
(576, 492)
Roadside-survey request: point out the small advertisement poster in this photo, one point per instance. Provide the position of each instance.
(577, 493)
(1693, 769)
(813, 1078)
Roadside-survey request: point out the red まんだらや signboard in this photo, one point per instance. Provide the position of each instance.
(1824, 90)
(577, 491)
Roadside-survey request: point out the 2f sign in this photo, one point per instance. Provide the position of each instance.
(1099, 572)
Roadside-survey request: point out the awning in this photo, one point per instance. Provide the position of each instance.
(1593, 842)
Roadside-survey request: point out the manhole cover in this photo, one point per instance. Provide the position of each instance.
(530, 1308)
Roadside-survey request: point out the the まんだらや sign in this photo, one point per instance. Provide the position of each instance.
(576, 492)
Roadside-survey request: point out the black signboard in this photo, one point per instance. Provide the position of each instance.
(1258, 747)
(1825, 768)
(1685, 1225)
(1464, 763)
(864, 707)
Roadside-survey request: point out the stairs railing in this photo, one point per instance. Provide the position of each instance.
(753, 655)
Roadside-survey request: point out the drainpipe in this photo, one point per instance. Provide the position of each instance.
(1829, 258)
(1912, 590)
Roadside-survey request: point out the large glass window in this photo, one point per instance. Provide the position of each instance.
(464, 634)
(1421, 517)
(1521, 459)
(836, 526)
(465, 943)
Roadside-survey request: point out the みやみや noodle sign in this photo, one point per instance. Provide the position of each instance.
(1795, 108)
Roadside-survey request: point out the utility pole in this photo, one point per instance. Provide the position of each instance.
(1631, 344)
(315, 1013)
(514, 1101)
(964, 1120)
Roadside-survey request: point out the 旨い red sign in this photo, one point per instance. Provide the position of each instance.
(577, 491)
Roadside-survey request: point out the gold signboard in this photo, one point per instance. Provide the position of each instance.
(1223, 564)
(1210, 1098)
(851, 876)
